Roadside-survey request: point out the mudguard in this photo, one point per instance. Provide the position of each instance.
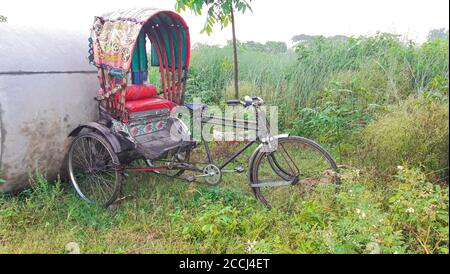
(103, 130)
(256, 152)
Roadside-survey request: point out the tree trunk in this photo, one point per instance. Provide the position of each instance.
(235, 56)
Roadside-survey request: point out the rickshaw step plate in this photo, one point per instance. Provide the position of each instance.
(154, 145)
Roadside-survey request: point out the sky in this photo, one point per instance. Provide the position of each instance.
(272, 20)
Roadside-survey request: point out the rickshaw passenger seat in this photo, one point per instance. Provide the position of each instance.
(136, 92)
(143, 98)
(149, 104)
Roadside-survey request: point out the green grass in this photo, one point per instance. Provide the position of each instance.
(166, 216)
(346, 94)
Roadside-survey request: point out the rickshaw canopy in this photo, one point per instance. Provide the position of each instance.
(115, 34)
(119, 45)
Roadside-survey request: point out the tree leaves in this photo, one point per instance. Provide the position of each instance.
(219, 11)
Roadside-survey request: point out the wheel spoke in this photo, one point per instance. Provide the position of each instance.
(298, 166)
(92, 165)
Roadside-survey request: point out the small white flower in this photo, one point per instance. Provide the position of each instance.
(250, 246)
(350, 191)
(361, 212)
(73, 248)
(373, 248)
(400, 167)
(410, 210)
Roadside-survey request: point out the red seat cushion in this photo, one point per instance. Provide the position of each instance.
(152, 103)
(143, 97)
(136, 92)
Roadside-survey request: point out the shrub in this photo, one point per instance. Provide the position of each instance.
(420, 210)
(414, 132)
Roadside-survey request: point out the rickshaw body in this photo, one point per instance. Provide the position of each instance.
(134, 114)
(138, 120)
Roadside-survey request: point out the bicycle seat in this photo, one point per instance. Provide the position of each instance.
(195, 106)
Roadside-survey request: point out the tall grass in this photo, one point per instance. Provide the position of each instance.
(297, 79)
(326, 89)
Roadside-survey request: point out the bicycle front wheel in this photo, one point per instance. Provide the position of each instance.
(279, 179)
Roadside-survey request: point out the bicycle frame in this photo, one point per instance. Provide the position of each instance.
(221, 121)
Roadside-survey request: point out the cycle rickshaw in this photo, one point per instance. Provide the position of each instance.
(136, 126)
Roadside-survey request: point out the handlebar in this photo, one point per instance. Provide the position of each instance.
(248, 101)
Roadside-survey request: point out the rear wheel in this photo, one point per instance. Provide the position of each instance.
(93, 169)
(297, 167)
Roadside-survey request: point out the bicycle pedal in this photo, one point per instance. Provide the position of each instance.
(239, 169)
(190, 179)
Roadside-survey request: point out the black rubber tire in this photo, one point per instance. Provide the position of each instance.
(301, 140)
(116, 184)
